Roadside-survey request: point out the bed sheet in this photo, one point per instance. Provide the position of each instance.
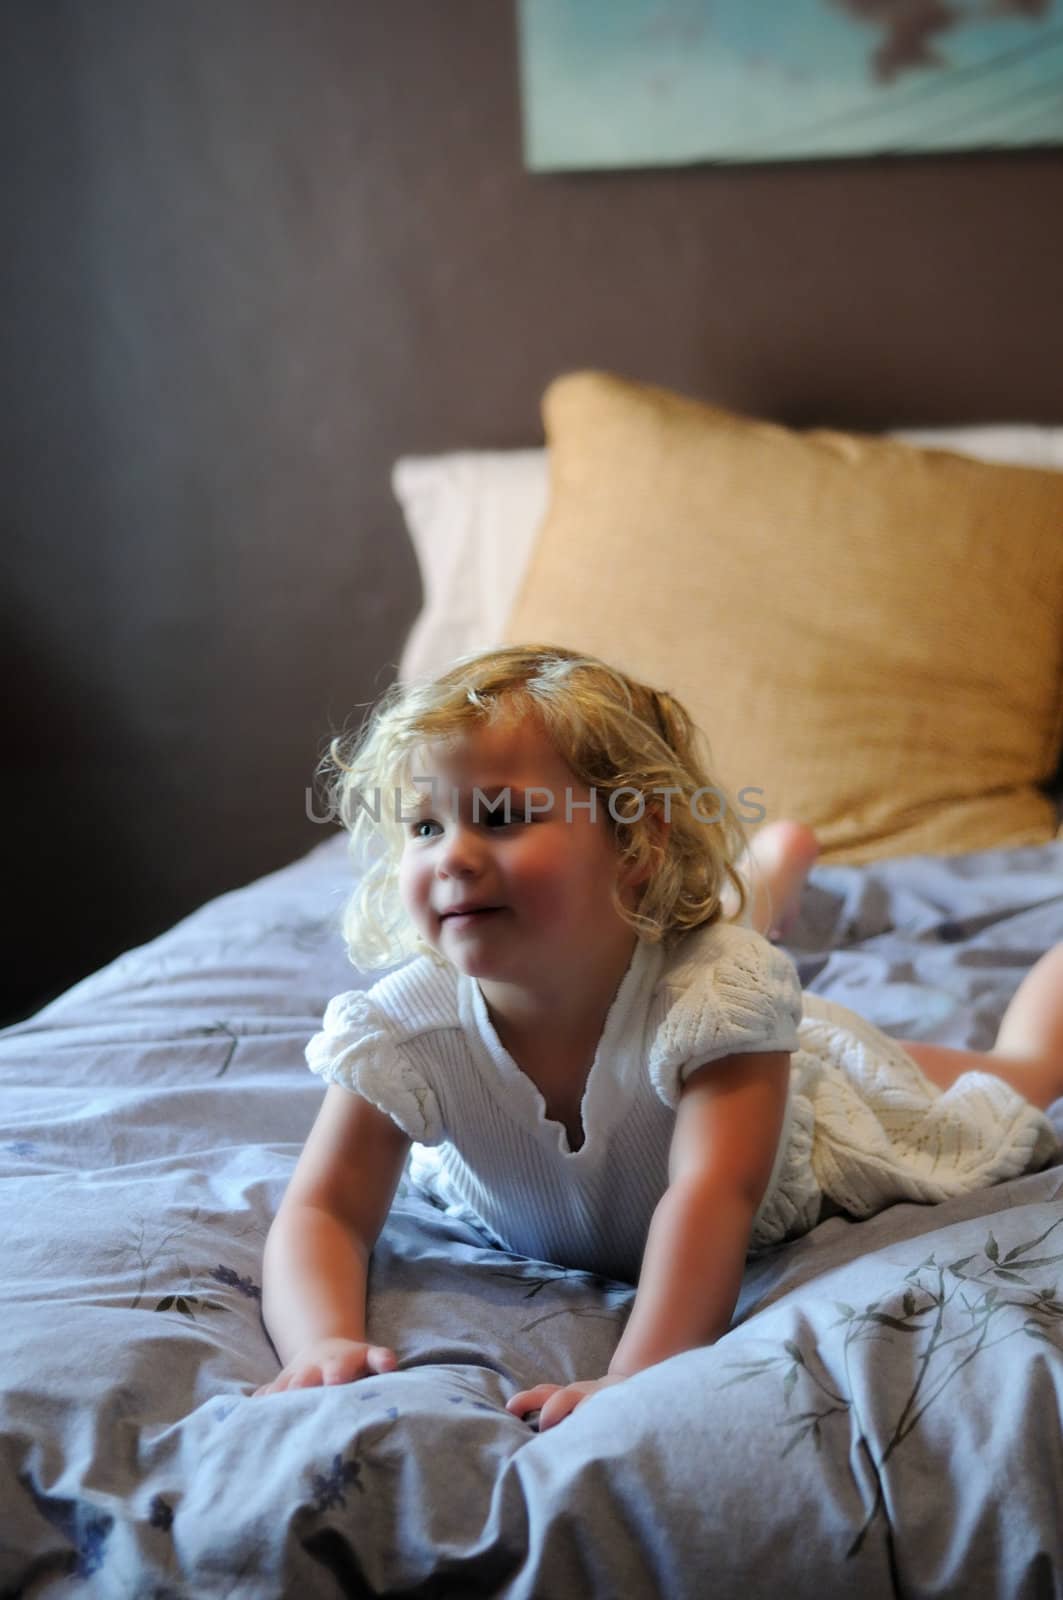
(883, 1419)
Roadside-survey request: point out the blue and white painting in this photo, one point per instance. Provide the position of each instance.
(628, 83)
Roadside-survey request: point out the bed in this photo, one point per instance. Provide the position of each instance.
(883, 1418)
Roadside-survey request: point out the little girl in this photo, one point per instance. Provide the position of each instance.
(617, 1073)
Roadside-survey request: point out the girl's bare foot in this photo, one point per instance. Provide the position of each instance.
(775, 868)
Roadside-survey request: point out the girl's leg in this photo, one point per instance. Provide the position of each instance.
(775, 868)
(1033, 1023)
(1028, 1052)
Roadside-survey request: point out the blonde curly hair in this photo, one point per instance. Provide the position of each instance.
(615, 734)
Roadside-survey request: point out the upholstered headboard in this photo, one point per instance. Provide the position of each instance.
(257, 252)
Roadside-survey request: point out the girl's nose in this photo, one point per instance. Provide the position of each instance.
(461, 855)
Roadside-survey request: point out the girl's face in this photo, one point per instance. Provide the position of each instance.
(522, 901)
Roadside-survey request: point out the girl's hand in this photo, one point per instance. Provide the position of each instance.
(554, 1401)
(329, 1361)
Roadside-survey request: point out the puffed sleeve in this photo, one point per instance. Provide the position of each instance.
(733, 993)
(357, 1049)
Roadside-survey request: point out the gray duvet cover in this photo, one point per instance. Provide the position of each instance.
(884, 1417)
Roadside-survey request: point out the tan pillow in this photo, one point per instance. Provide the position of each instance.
(869, 633)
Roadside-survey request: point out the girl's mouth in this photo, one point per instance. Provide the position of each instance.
(469, 918)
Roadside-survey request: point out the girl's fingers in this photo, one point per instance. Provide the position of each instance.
(380, 1359)
(531, 1399)
(556, 1401)
(278, 1386)
(377, 1358)
(559, 1408)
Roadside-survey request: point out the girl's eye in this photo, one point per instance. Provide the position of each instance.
(424, 828)
(498, 819)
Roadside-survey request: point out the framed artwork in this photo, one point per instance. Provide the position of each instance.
(633, 83)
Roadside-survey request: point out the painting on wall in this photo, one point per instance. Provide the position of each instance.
(631, 83)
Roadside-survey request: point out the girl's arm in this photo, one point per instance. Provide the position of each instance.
(318, 1249)
(727, 1129)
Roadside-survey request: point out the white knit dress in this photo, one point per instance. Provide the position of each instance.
(864, 1128)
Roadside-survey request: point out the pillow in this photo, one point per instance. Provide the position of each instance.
(869, 634)
(473, 517)
(1013, 444)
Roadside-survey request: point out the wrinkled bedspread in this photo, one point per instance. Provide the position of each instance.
(883, 1419)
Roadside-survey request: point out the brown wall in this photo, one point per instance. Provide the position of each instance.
(253, 251)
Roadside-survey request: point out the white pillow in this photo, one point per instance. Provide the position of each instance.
(1016, 444)
(473, 517)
